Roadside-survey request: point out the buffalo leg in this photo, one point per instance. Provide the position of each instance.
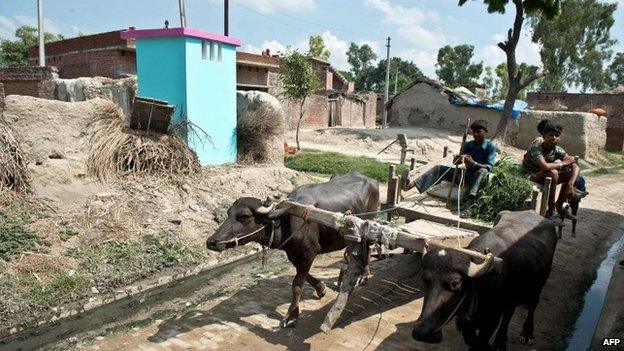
(486, 329)
(297, 287)
(468, 331)
(317, 284)
(500, 341)
(526, 336)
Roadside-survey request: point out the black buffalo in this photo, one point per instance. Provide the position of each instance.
(481, 298)
(249, 219)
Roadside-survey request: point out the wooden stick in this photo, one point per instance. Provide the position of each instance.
(461, 147)
(545, 195)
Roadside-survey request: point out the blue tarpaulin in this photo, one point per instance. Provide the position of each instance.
(518, 107)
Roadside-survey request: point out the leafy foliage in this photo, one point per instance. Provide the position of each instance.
(454, 67)
(616, 70)
(575, 45)
(402, 72)
(15, 53)
(517, 78)
(361, 59)
(335, 163)
(506, 190)
(299, 80)
(317, 48)
(497, 81)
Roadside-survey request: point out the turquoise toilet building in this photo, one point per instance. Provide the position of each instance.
(194, 71)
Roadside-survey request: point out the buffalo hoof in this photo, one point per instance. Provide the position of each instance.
(288, 323)
(362, 280)
(321, 292)
(526, 340)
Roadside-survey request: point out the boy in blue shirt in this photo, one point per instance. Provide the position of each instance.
(478, 155)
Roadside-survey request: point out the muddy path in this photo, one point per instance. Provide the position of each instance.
(380, 315)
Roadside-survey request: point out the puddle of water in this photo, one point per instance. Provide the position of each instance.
(594, 299)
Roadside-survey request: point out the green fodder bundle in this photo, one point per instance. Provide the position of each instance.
(506, 190)
(117, 149)
(13, 169)
(256, 135)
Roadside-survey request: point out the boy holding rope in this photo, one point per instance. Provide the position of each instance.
(478, 155)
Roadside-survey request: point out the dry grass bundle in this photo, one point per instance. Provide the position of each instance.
(13, 169)
(117, 149)
(256, 133)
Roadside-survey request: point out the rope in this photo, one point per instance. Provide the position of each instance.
(236, 239)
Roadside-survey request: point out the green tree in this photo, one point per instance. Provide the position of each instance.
(348, 75)
(317, 48)
(454, 67)
(408, 72)
(502, 78)
(575, 45)
(518, 79)
(491, 83)
(616, 70)
(361, 59)
(15, 53)
(299, 80)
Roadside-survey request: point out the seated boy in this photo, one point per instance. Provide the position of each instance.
(478, 155)
(545, 158)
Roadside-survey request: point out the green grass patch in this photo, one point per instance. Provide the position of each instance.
(15, 238)
(65, 287)
(614, 157)
(506, 190)
(335, 163)
(66, 233)
(114, 264)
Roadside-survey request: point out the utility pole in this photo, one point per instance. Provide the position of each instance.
(41, 34)
(396, 76)
(182, 13)
(226, 15)
(385, 101)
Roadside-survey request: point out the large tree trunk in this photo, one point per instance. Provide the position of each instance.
(301, 111)
(516, 83)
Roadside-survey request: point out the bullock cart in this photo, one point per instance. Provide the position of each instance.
(419, 236)
(424, 206)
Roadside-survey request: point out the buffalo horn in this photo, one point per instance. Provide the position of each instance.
(477, 270)
(265, 210)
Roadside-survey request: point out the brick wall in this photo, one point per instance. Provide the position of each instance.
(112, 63)
(31, 81)
(316, 112)
(251, 75)
(613, 104)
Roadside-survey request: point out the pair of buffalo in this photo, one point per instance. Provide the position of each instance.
(482, 300)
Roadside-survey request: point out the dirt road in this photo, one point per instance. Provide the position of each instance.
(380, 315)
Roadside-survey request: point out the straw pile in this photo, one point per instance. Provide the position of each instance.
(13, 169)
(258, 135)
(119, 150)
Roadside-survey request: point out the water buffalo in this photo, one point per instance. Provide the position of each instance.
(249, 219)
(481, 298)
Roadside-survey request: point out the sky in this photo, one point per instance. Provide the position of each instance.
(418, 28)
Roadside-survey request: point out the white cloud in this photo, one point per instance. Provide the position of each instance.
(274, 46)
(48, 25)
(425, 60)
(9, 25)
(410, 21)
(526, 51)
